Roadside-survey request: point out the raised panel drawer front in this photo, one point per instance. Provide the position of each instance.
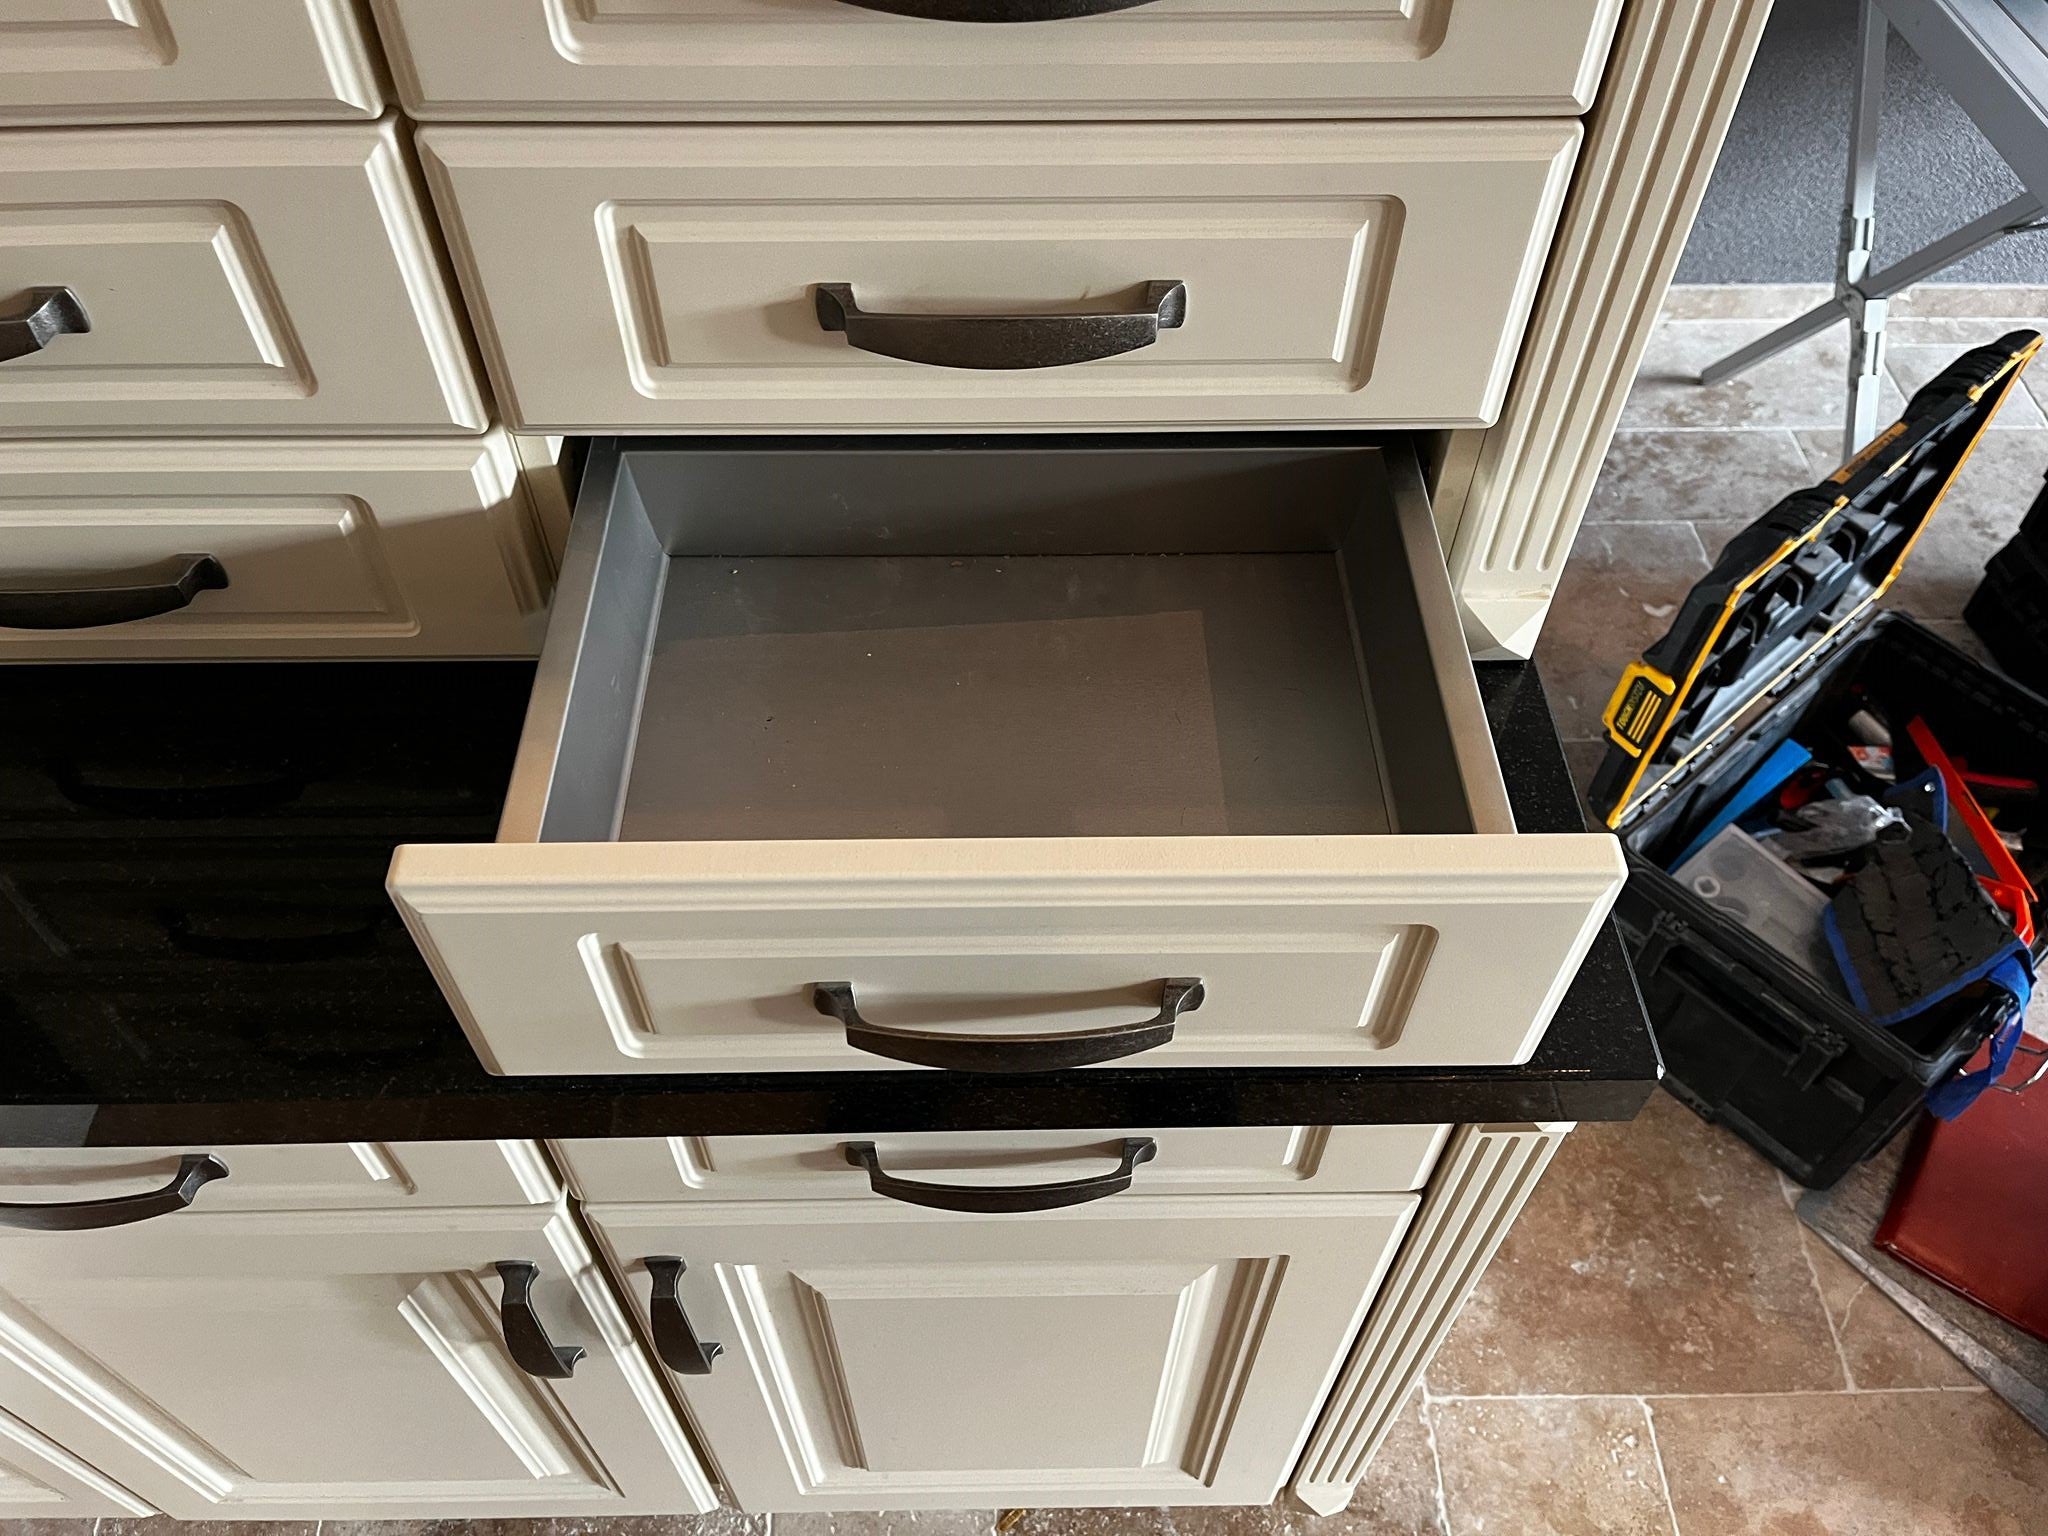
(40, 1480)
(1130, 1351)
(340, 1365)
(797, 59)
(1185, 1160)
(818, 278)
(1004, 757)
(116, 61)
(272, 279)
(398, 546)
(341, 1175)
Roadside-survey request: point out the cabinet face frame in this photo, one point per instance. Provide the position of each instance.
(103, 1347)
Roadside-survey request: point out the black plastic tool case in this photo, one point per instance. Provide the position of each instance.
(1780, 640)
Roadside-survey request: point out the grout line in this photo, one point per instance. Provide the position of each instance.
(1681, 1397)
(1657, 1457)
(1827, 1312)
(1436, 1461)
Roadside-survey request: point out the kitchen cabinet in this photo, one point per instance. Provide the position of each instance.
(352, 1364)
(40, 1480)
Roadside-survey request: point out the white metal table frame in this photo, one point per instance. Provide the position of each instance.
(1863, 297)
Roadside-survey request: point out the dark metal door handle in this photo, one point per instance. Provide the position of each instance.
(532, 1350)
(118, 597)
(675, 1341)
(1002, 341)
(47, 314)
(1003, 1198)
(195, 1171)
(997, 10)
(1009, 1053)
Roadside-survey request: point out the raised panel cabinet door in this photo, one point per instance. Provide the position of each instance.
(273, 278)
(115, 61)
(679, 278)
(830, 59)
(1135, 1350)
(40, 1480)
(340, 1365)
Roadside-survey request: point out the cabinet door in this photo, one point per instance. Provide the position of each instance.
(40, 1480)
(346, 1365)
(1138, 1350)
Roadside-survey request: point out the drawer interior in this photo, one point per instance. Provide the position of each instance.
(1025, 638)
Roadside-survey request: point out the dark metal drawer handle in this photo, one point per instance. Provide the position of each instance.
(532, 1350)
(195, 1171)
(675, 1341)
(47, 314)
(1009, 1053)
(997, 10)
(989, 1199)
(1002, 341)
(119, 597)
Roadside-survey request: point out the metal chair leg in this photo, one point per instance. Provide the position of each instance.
(1867, 312)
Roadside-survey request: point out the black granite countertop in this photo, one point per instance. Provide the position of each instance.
(170, 1022)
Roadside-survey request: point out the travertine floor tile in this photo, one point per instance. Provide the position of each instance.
(1969, 301)
(1914, 365)
(1861, 1464)
(1539, 1467)
(1981, 511)
(1619, 590)
(1742, 301)
(1805, 386)
(1656, 1256)
(1696, 476)
(1881, 1346)
(59, 1527)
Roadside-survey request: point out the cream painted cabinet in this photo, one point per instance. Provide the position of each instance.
(301, 1364)
(1136, 1350)
(40, 1480)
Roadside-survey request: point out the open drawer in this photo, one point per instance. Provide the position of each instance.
(1004, 755)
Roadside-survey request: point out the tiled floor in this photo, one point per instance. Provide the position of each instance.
(1659, 1349)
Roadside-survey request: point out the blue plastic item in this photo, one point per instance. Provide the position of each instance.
(1786, 759)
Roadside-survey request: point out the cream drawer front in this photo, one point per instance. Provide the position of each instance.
(1132, 1351)
(396, 547)
(353, 1175)
(672, 278)
(266, 279)
(799, 59)
(114, 61)
(785, 814)
(1187, 1160)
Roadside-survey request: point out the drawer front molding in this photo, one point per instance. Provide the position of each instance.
(1480, 1185)
(63, 62)
(353, 548)
(1374, 273)
(215, 303)
(593, 60)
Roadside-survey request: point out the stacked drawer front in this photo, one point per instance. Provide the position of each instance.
(934, 1319)
(232, 282)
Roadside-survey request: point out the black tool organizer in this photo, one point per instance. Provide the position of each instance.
(1780, 641)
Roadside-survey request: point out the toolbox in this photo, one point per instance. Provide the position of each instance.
(1781, 643)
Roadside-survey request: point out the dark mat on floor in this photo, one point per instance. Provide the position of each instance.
(2013, 1364)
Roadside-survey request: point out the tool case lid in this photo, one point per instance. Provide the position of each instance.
(1795, 582)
